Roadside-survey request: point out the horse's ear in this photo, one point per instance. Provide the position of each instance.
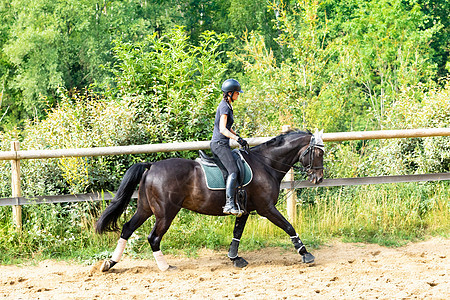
(318, 136)
(318, 133)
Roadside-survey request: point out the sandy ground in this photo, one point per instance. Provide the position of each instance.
(341, 271)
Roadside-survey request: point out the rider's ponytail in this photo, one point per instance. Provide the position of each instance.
(226, 96)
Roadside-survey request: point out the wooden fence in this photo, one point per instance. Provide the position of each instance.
(15, 155)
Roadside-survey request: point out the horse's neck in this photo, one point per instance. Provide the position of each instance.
(283, 158)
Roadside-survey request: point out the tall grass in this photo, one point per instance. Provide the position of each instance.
(389, 214)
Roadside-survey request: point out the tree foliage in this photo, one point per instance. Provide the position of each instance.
(52, 44)
(341, 81)
(176, 83)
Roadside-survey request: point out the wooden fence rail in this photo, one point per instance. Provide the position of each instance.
(150, 148)
(15, 155)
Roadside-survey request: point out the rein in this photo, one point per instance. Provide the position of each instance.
(303, 170)
(261, 161)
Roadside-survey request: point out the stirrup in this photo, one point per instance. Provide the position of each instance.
(227, 211)
(233, 211)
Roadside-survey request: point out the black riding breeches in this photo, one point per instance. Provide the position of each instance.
(222, 151)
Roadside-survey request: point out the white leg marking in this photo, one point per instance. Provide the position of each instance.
(160, 260)
(117, 255)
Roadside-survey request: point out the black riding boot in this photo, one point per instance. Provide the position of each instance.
(230, 205)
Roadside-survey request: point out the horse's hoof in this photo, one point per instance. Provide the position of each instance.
(308, 258)
(171, 269)
(107, 265)
(239, 262)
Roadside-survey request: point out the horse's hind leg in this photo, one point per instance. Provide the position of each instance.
(237, 234)
(277, 218)
(127, 230)
(163, 220)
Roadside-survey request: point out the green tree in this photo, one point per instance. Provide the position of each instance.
(177, 83)
(9, 108)
(298, 89)
(55, 44)
(437, 12)
(258, 16)
(51, 44)
(391, 50)
(343, 80)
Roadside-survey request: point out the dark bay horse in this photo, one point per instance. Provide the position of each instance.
(167, 186)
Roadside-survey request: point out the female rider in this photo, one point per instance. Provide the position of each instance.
(220, 143)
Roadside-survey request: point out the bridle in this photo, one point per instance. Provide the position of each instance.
(310, 151)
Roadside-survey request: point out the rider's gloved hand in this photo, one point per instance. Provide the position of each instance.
(243, 143)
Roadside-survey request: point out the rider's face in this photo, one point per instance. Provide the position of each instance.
(235, 96)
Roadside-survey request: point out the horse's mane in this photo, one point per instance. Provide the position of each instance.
(279, 139)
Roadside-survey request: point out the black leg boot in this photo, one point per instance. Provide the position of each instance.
(230, 205)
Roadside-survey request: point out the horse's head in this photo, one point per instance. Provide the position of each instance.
(312, 158)
(283, 151)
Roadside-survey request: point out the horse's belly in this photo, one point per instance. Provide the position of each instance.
(211, 205)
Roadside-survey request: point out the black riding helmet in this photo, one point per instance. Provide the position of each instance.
(231, 85)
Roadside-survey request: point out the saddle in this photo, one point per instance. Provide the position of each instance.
(216, 174)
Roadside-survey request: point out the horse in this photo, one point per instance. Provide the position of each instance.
(168, 185)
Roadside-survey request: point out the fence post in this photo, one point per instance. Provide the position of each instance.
(292, 194)
(15, 186)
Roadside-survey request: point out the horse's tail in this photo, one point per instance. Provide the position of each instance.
(132, 177)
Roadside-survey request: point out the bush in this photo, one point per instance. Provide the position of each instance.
(416, 108)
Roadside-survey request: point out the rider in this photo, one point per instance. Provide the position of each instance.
(220, 143)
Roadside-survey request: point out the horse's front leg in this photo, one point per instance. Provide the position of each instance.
(273, 215)
(234, 246)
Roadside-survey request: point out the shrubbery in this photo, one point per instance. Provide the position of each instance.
(415, 155)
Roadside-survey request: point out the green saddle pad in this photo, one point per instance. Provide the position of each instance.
(214, 176)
